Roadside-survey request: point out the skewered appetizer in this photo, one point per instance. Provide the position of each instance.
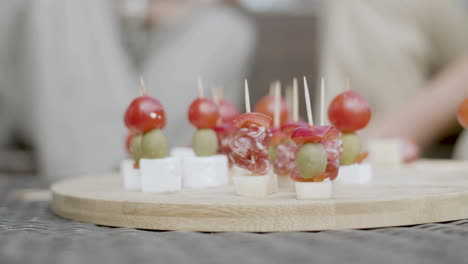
(249, 151)
(317, 157)
(283, 149)
(206, 168)
(317, 160)
(145, 117)
(350, 112)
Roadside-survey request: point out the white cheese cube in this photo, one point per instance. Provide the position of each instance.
(222, 169)
(256, 185)
(385, 152)
(182, 152)
(355, 174)
(131, 176)
(202, 172)
(314, 190)
(161, 175)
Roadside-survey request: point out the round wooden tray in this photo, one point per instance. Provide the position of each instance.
(426, 191)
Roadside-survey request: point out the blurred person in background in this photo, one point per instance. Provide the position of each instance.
(408, 58)
(68, 69)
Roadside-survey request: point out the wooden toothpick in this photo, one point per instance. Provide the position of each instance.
(295, 101)
(215, 95)
(307, 101)
(271, 91)
(247, 97)
(276, 113)
(200, 86)
(322, 102)
(289, 100)
(348, 84)
(220, 90)
(143, 90)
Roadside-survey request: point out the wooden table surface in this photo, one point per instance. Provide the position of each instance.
(31, 233)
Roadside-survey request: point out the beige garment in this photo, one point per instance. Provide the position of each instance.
(390, 49)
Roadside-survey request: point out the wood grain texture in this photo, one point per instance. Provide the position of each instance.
(424, 192)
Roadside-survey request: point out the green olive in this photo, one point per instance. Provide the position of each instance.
(154, 144)
(135, 147)
(351, 148)
(311, 160)
(205, 142)
(272, 153)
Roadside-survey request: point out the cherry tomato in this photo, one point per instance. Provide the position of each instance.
(266, 106)
(144, 114)
(227, 111)
(203, 113)
(314, 134)
(349, 112)
(462, 113)
(128, 140)
(252, 118)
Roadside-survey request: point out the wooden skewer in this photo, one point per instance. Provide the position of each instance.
(247, 109)
(215, 95)
(276, 113)
(271, 91)
(220, 90)
(247, 97)
(200, 86)
(348, 84)
(289, 100)
(322, 102)
(295, 101)
(143, 90)
(307, 101)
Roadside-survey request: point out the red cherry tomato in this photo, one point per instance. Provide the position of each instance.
(314, 134)
(203, 113)
(144, 114)
(349, 112)
(266, 106)
(462, 113)
(252, 118)
(128, 141)
(227, 111)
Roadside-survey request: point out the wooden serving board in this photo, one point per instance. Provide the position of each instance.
(424, 192)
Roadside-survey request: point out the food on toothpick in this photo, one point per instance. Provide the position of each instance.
(204, 114)
(266, 105)
(206, 168)
(350, 112)
(145, 118)
(283, 148)
(249, 151)
(317, 157)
